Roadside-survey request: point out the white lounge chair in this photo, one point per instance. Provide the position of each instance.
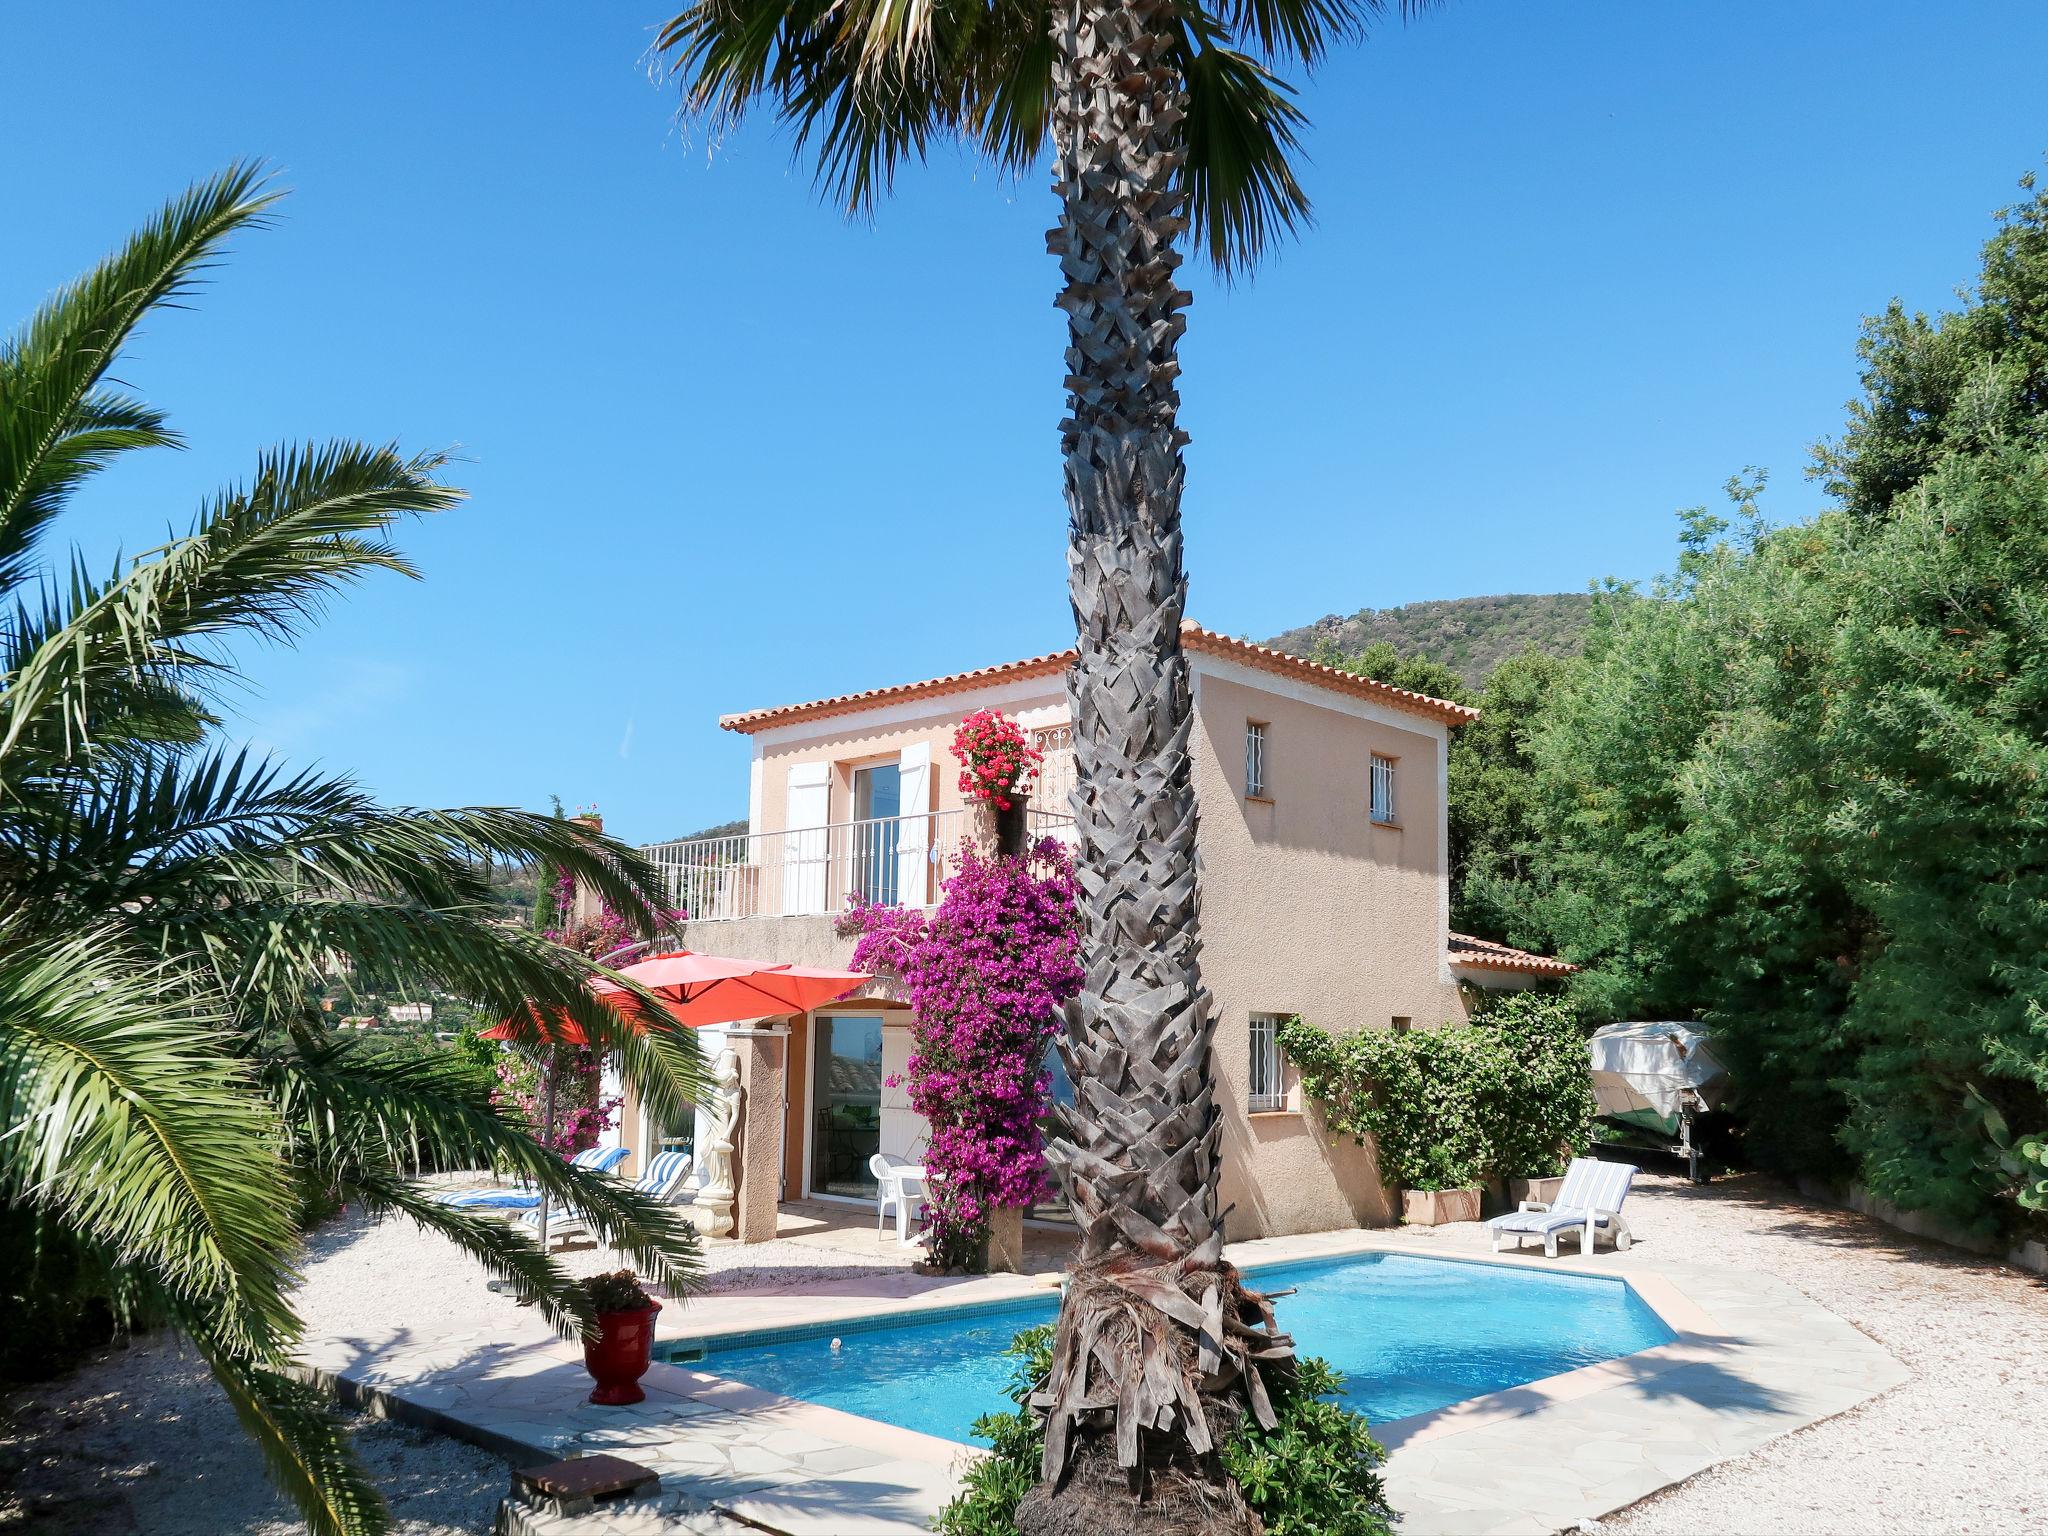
(664, 1179)
(1591, 1200)
(899, 1183)
(525, 1197)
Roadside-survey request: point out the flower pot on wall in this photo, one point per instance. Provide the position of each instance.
(1544, 1189)
(618, 1357)
(1434, 1207)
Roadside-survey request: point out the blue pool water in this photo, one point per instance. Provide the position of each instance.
(1407, 1334)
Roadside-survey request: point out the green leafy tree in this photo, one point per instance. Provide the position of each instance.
(173, 1102)
(1163, 119)
(1803, 793)
(1495, 844)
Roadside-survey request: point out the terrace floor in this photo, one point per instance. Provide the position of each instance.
(1841, 1304)
(1755, 1359)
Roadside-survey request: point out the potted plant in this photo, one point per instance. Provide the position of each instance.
(998, 766)
(618, 1357)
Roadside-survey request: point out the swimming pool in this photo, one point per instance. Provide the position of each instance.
(1408, 1335)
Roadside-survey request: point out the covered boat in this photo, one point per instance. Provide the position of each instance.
(1654, 1078)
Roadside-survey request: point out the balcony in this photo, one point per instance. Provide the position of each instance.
(808, 871)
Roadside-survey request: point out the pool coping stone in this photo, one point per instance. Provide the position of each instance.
(1752, 1359)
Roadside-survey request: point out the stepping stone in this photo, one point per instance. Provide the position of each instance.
(575, 1487)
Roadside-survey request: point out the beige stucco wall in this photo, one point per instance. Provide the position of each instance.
(1309, 907)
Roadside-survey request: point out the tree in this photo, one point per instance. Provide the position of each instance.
(1800, 792)
(1162, 118)
(1495, 850)
(175, 1106)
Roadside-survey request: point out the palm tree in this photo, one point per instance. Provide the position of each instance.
(171, 1102)
(1164, 117)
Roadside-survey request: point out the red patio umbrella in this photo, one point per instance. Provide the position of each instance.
(698, 990)
(695, 990)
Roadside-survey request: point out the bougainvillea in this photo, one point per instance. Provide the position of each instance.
(985, 974)
(583, 1111)
(995, 759)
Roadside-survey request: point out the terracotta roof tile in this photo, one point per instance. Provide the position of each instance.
(1050, 665)
(1286, 664)
(1193, 636)
(1485, 955)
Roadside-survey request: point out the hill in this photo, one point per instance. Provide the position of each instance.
(1472, 635)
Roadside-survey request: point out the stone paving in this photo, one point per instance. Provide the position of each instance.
(1754, 1359)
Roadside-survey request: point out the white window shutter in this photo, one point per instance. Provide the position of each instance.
(804, 847)
(914, 830)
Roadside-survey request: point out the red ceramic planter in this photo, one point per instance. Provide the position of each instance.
(618, 1356)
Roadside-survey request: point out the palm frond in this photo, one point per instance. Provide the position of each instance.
(868, 86)
(258, 561)
(366, 1124)
(123, 1114)
(504, 1250)
(304, 1445)
(59, 427)
(1241, 128)
(510, 972)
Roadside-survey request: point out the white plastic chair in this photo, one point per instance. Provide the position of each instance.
(1590, 1199)
(899, 1184)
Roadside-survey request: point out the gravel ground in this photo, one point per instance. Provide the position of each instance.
(1959, 1448)
(141, 1441)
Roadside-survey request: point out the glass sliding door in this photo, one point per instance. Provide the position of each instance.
(877, 803)
(846, 1103)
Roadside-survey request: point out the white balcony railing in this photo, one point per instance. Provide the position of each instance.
(897, 860)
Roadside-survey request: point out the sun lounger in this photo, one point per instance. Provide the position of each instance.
(524, 1197)
(1590, 1200)
(664, 1179)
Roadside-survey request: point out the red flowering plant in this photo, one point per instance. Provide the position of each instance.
(995, 759)
(986, 975)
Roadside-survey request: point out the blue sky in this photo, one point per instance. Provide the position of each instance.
(1575, 264)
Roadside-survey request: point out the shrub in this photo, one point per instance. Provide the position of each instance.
(1316, 1473)
(1506, 1096)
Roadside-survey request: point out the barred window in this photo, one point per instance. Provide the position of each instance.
(1268, 1085)
(1382, 789)
(1255, 759)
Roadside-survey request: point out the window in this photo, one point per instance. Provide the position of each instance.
(1268, 1086)
(1382, 789)
(1255, 759)
(1402, 1024)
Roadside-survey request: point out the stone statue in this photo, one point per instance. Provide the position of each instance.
(714, 1200)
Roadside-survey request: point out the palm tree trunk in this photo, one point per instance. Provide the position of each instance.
(1157, 1345)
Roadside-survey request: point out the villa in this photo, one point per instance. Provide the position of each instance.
(1325, 866)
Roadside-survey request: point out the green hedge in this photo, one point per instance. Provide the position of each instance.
(1507, 1096)
(1316, 1473)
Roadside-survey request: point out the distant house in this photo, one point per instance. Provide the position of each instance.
(409, 1013)
(1325, 892)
